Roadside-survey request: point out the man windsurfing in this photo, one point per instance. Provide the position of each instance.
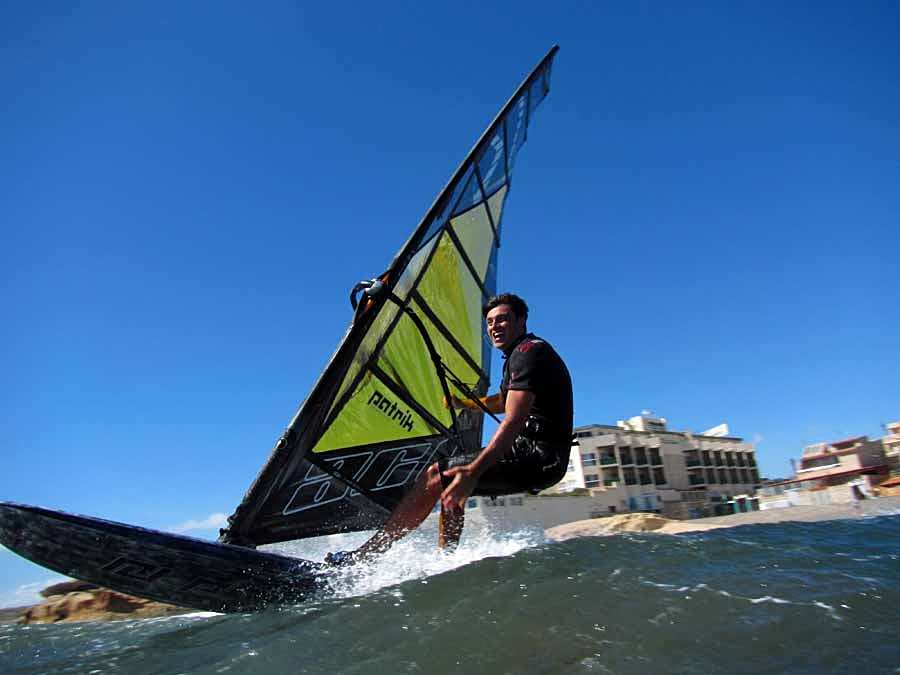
(528, 452)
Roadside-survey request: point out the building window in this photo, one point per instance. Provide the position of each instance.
(589, 459)
(591, 480)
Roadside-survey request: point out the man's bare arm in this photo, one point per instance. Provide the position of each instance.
(494, 403)
(518, 405)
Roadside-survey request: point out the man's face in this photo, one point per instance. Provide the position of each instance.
(503, 326)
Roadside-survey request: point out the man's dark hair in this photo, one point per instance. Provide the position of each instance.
(516, 304)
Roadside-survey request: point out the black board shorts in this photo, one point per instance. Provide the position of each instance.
(529, 466)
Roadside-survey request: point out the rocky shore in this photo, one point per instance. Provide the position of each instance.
(71, 601)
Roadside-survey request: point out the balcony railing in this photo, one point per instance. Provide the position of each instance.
(608, 459)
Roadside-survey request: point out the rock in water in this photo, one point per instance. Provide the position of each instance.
(78, 601)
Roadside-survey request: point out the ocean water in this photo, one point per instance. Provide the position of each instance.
(780, 598)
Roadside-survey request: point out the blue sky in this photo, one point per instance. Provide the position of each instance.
(704, 221)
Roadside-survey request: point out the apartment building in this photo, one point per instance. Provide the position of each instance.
(891, 443)
(641, 465)
(833, 472)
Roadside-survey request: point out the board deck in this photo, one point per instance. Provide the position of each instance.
(158, 565)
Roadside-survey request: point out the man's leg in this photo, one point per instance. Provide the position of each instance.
(450, 527)
(409, 514)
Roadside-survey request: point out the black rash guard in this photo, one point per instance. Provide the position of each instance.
(533, 365)
(539, 455)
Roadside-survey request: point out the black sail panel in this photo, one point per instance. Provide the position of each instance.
(376, 417)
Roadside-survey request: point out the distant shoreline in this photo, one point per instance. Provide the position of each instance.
(648, 522)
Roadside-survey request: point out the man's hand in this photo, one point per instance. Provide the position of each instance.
(453, 402)
(461, 487)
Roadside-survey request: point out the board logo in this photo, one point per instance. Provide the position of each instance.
(389, 408)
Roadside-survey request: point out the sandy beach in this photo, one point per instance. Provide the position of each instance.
(648, 522)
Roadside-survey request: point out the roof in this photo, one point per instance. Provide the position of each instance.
(847, 441)
(864, 470)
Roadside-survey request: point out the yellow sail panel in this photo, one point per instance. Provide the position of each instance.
(453, 359)
(372, 415)
(451, 292)
(366, 348)
(406, 360)
(386, 316)
(473, 228)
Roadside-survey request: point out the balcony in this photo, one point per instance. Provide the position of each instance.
(692, 462)
(655, 459)
(608, 459)
(696, 480)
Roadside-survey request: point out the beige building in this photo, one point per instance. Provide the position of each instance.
(641, 465)
(891, 443)
(830, 473)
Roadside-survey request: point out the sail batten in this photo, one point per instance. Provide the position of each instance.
(378, 414)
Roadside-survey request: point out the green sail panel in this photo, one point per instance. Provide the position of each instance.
(373, 415)
(453, 294)
(468, 367)
(475, 233)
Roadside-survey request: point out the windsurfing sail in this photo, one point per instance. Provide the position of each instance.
(376, 417)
